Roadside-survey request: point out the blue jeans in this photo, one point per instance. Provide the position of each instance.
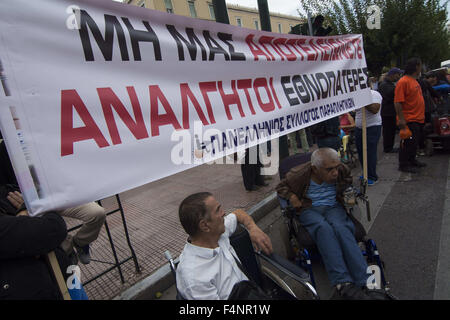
(334, 234)
(373, 136)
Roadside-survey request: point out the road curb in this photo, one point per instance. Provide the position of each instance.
(162, 278)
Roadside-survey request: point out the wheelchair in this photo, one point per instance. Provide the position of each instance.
(301, 247)
(282, 281)
(348, 152)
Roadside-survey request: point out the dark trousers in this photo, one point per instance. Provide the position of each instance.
(408, 147)
(251, 172)
(389, 130)
(373, 136)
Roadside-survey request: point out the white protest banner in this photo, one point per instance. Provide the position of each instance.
(97, 95)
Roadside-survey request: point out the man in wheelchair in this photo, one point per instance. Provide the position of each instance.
(315, 189)
(209, 267)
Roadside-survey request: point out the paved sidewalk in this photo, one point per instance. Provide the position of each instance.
(151, 213)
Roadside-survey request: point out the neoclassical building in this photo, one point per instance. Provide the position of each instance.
(203, 9)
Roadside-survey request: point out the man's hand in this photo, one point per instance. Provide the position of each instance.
(15, 198)
(295, 202)
(261, 241)
(23, 213)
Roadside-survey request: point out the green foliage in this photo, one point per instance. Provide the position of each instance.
(409, 28)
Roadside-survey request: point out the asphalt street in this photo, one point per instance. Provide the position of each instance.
(408, 230)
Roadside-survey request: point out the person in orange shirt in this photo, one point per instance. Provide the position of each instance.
(410, 107)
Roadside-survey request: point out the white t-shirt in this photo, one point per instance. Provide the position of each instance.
(210, 274)
(371, 119)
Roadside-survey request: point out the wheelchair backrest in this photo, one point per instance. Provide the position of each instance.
(242, 244)
(293, 161)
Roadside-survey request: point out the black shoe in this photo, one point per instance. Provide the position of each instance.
(349, 291)
(408, 169)
(73, 258)
(393, 150)
(379, 294)
(418, 164)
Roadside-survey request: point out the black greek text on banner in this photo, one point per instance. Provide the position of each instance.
(99, 97)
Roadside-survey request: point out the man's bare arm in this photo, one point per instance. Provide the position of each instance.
(401, 117)
(260, 240)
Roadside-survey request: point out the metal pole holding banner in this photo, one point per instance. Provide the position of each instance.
(364, 144)
(264, 15)
(310, 25)
(364, 150)
(220, 11)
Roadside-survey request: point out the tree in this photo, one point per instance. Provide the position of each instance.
(409, 28)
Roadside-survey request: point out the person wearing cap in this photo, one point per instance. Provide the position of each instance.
(410, 108)
(388, 114)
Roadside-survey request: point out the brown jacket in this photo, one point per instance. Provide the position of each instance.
(297, 182)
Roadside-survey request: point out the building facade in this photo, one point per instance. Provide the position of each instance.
(204, 9)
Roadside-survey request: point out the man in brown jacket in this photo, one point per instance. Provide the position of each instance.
(315, 189)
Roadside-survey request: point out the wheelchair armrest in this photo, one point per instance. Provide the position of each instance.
(290, 269)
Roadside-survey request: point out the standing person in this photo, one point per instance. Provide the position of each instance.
(251, 170)
(410, 108)
(429, 97)
(373, 124)
(388, 114)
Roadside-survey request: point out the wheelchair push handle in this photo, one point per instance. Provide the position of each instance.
(170, 259)
(350, 196)
(168, 255)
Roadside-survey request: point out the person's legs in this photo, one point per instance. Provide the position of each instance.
(389, 128)
(345, 233)
(373, 136)
(414, 142)
(248, 176)
(304, 140)
(293, 141)
(421, 143)
(93, 217)
(329, 247)
(403, 152)
(248, 172)
(358, 140)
